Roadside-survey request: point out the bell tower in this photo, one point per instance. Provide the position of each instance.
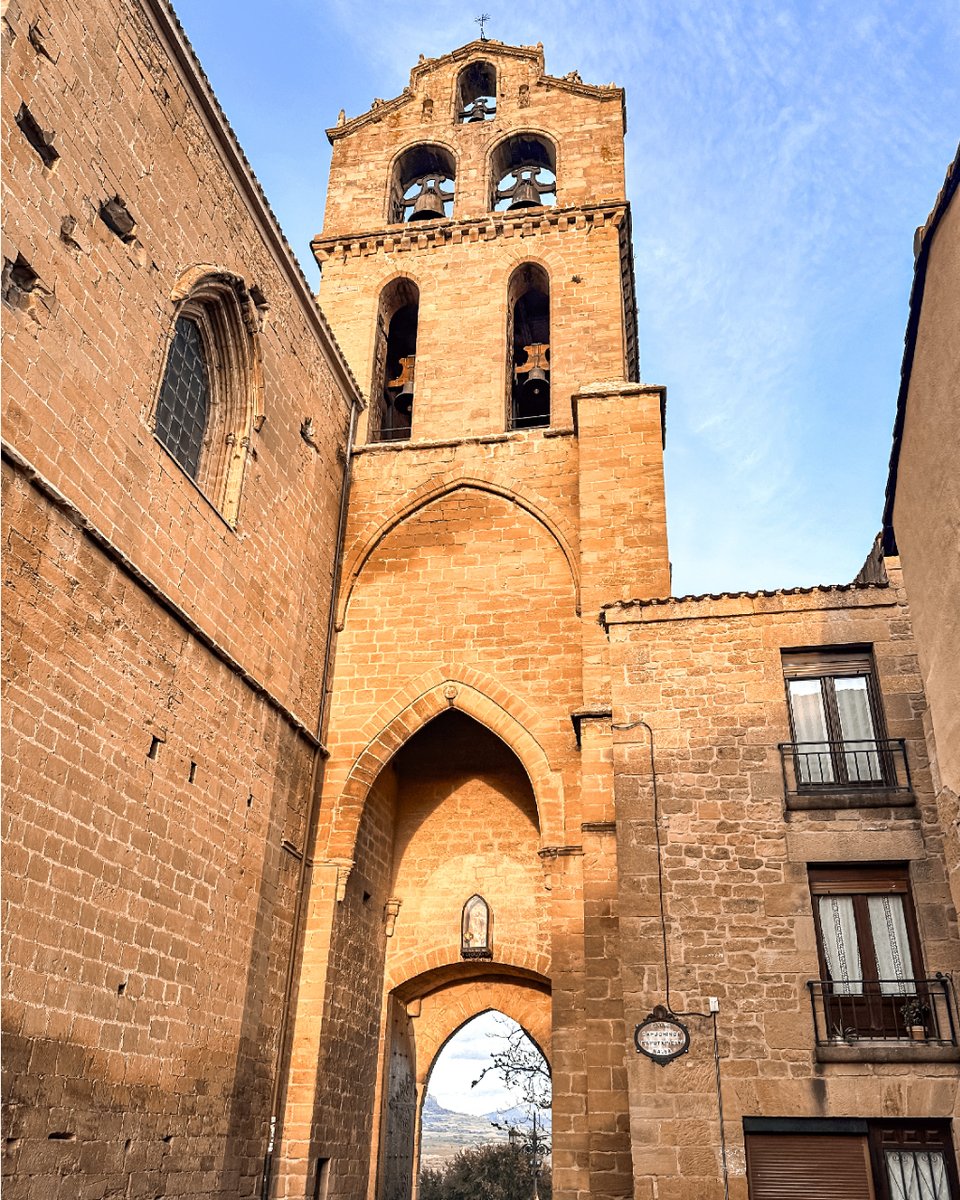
(476, 251)
(507, 482)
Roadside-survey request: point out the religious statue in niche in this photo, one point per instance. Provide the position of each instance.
(475, 929)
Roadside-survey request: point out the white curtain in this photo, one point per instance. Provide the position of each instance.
(856, 725)
(917, 1175)
(889, 929)
(840, 946)
(810, 725)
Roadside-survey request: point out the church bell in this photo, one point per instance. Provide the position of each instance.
(525, 196)
(428, 206)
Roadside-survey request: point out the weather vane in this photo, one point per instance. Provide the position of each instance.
(481, 21)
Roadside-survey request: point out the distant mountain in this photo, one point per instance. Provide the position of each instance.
(446, 1133)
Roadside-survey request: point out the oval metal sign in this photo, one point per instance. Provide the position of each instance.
(661, 1036)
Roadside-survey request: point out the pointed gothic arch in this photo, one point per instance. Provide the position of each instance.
(499, 711)
(432, 492)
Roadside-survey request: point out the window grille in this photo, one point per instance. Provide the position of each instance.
(184, 397)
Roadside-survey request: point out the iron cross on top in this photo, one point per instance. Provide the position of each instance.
(481, 21)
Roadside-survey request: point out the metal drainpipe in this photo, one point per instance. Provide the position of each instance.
(316, 786)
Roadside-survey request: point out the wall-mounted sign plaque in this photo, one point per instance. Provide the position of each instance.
(661, 1036)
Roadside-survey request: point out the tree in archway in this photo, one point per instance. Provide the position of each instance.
(486, 1173)
(522, 1067)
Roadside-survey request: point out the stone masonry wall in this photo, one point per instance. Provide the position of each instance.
(707, 676)
(162, 671)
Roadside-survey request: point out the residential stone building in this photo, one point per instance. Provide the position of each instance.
(346, 698)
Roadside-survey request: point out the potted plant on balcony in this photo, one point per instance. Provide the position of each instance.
(915, 1012)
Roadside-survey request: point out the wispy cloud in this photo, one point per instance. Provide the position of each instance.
(778, 160)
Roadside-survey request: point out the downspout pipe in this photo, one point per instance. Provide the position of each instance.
(316, 788)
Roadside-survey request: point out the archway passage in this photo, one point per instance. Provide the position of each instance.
(489, 1088)
(455, 812)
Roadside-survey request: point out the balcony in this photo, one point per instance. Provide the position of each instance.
(846, 774)
(885, 1020)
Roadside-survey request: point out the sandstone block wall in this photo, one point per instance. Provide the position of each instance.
(162, 669)
(707, 676)
(926, 508)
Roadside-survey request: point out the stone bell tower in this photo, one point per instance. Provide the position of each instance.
(507, 481)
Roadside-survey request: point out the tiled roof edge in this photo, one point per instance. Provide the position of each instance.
(764, 592)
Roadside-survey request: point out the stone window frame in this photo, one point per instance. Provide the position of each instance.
(893, 788)
(230, 320)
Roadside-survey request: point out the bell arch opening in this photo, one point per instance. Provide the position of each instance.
(523, 173)
(395, 361)
(477, 93)
(528, 347)
(423, 184)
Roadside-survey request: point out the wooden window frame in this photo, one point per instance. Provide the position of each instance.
(826, 663)
(860, 882)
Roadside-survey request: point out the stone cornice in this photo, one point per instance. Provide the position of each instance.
(425, 235)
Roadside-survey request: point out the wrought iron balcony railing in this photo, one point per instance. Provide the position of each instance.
(880, 764)
(857, 1011)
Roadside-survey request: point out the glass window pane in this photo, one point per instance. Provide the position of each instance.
(184, 397)
(857, 729)
(841, 948)
(814, 764)
(917, 1175)
(889, 929)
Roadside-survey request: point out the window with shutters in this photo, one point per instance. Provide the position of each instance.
(838, 744)
(210, 388)
(849, 1159)
(872, 986)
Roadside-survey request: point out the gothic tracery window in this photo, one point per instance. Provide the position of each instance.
(184, 397)
(210, 387)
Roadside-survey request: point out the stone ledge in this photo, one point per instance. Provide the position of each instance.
(877, 1052)
(482, 439)
(426, 235)
(810, 802)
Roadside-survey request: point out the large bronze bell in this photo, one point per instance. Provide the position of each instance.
(403, 395)
(428, 205)
(525, 195)
(535, 384)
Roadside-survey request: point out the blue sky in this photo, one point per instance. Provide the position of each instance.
(779, 158)
(461, 1061)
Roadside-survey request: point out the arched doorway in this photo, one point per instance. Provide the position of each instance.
(464, 828)
(488, 1090)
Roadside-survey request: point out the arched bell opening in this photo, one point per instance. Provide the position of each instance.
(395, 362)
(523, 170)
(528, 347)
(476, 93)
(423, 184)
